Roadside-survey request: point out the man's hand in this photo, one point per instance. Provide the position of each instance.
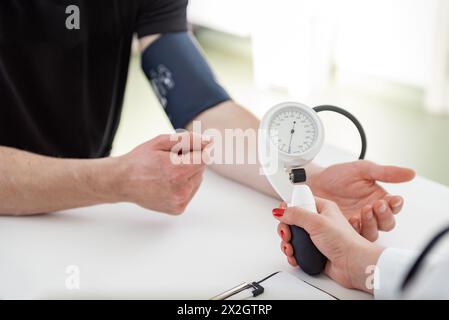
(353, 187)
(153, 181)
(147, 176)
(349, 254)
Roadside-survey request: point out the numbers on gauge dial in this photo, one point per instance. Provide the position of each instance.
(292, 131)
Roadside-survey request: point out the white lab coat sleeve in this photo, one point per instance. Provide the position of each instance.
(431, 281)
(390, 271)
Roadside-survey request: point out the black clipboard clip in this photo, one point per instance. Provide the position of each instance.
(257, 290)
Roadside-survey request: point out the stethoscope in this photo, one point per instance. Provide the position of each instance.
(417, 265)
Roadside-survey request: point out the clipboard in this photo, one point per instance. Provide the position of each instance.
(277, 286)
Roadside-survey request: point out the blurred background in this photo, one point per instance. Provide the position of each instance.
(385, 61)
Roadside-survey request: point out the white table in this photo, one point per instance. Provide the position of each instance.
(226, 236)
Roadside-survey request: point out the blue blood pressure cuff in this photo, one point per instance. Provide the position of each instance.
(181, 77)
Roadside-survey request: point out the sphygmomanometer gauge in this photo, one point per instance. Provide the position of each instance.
(293, 131)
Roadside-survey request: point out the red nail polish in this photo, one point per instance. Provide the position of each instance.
(278, 212)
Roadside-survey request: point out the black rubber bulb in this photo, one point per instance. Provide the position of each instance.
(308, 257)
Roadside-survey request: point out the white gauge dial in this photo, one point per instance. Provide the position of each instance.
(293, 131)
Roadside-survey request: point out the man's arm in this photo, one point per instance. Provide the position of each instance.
(147, 176)
(32, 184)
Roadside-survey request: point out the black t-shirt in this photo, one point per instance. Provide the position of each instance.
(61, 89)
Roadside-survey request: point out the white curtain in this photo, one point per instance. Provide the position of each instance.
(292, 45)
(438, 88)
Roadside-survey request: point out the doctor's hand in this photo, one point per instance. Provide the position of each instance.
(164, 173)
(348, 253)
(353, 186)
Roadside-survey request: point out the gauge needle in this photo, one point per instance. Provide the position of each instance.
(291, 137)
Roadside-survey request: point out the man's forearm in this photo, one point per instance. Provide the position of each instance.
(32, 184)
(229, 115)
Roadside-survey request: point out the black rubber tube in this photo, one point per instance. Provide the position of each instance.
(353, 119)
(420, 260)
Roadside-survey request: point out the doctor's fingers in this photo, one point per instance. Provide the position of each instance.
(292, 261)
(384, 215)
(287, 248)
(284, 232)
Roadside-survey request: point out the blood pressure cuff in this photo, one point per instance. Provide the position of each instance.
(181, 78)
